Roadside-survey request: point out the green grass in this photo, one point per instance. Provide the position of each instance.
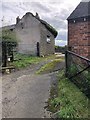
(70, 102)
(49, 67)
(23, 61)
(82, 80)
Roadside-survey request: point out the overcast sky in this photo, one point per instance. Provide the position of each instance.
(55, 12)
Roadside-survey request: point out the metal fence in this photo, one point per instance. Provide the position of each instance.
(78, 71)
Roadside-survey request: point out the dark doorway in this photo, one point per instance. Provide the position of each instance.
(38, 50)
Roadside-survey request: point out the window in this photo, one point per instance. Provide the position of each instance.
(11, 29)
(84, 19)
(48, 39)
(74, 21)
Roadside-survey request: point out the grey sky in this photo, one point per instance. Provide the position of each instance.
(55, 12)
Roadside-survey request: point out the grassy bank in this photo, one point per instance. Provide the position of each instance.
(70, 102)
(50, 67)
(22, 61)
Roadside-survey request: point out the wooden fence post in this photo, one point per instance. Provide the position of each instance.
(4, 48)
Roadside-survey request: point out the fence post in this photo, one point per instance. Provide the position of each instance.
(4, 53)
(66, 63)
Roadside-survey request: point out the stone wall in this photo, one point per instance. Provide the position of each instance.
(46, 48)
(79, 37)
(28, 34)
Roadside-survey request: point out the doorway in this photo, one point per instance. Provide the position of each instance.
(38, 49)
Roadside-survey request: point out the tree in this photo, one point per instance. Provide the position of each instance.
(8, 41)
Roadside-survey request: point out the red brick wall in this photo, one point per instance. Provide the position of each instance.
(89, 40)
(79, 38)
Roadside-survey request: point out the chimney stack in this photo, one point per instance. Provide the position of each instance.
(17, 20)
(37, 16)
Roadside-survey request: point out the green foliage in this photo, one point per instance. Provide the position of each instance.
(22, 60)
(8, 35)
(67, 112)
(87, 75)
(49, 67)
(54, 105)
(72, 70)
(61, 49)
(82, 80)
(71, 102)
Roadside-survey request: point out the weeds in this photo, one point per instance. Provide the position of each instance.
(70, 102)
(49, 67)
(22, 61)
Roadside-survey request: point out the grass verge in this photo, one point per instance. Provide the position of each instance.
(50, 67)
(70, 102)
(22, 61)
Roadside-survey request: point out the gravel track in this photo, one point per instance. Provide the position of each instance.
(24, 93)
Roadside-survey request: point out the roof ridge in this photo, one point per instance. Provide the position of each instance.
(47, 25)
(82, 10)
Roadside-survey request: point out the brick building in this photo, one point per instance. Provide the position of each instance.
(79, 30)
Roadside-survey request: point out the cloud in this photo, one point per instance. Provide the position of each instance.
(40, 7)
(62, 37)
(85, 0)
(56, 23)
(60, 43)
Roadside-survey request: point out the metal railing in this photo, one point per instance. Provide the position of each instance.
(78, 71)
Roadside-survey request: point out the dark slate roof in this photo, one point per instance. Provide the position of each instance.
(82, 10)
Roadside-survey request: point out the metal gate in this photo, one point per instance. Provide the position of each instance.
(78, 71)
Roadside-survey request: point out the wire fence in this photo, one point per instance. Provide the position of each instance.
(78, 71)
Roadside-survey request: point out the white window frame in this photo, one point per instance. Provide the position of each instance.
(48, 39)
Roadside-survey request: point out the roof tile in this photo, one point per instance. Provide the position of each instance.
(82, 10)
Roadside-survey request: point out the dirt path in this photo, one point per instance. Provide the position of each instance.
(25, 93)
